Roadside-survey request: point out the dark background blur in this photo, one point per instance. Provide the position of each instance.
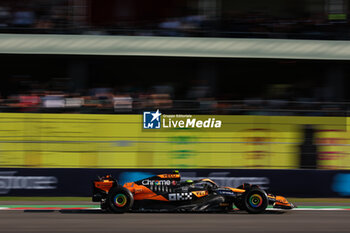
(309, 19)
(125, 84)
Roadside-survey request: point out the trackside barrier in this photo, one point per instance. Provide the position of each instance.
(77, 182)
(174, 46)
(119, 141)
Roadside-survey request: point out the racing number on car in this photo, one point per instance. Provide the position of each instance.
(180, 196)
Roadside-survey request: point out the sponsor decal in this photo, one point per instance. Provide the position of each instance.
(191, 123)
(180, 196)
(131, 184)
(151, 120)
(104, 185)
(9, 181)
(225, 192)
(156, 182)
(170, 176)
(174, 182)
(200, 193)
(138, 190)
(157, 120)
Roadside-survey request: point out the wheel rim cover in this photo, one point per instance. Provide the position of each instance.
(120, 200)
(255, 200)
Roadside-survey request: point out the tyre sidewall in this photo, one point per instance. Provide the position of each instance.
(256, 193)
(111, 200)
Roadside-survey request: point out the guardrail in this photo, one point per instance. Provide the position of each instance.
(174, 46)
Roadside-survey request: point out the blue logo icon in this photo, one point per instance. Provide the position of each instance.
(151, 120)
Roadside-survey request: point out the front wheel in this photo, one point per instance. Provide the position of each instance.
(255, 201)
(120, 200)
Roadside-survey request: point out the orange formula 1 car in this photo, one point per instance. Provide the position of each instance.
(166, 192)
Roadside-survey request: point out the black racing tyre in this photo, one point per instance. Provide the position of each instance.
(255, 201)
(239, 202)
(120, 200)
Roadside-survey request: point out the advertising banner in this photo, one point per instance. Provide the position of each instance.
(78, 182)
(160, 141)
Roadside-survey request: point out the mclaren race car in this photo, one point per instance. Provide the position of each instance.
(166, 192)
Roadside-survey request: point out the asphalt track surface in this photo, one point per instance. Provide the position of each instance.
(331, 221)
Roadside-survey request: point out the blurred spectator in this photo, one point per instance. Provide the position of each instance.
(207, 105)
(101, 92)
(5, 16)
(122, 103)
(171, 27)
(59, 17)
(30, 102)
(53, 100)
(74, 101)
(161, 101)
(200, 89)
(101, 100)
(90, 104)
(23, 17)
(44, 23)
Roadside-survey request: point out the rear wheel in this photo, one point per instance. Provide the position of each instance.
(255, 201)
(120, 200)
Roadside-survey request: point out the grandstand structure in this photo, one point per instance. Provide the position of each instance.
(300, 47)
(314, 71)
